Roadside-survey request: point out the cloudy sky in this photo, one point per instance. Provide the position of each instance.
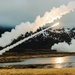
(13, 12)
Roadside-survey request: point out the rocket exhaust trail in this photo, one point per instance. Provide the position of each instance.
(48, 17)
(25, 39)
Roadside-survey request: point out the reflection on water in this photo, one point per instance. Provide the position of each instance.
(59, 60)
(52, 62)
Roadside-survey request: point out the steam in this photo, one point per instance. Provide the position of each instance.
(21, 41)
(64, 47)
(49, 17)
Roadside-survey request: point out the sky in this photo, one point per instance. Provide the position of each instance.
(13, 12)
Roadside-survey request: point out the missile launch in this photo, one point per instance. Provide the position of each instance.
(25, 39)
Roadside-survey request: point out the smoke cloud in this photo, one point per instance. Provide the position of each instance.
(49, 17)
(25, 39)
(64, 47)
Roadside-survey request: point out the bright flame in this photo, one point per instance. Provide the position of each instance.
(56, 24)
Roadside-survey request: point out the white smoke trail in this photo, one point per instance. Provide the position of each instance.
(48, 17)
(21, 41)
(64, 47)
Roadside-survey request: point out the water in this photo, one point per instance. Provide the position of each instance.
(54, 62)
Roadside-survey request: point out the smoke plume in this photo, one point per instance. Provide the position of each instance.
(64, 47)
(25, 39)
(49, 17)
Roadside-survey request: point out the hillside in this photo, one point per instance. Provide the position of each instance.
(44, 40)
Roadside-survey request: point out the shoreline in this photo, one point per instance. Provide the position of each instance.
(18, 57)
